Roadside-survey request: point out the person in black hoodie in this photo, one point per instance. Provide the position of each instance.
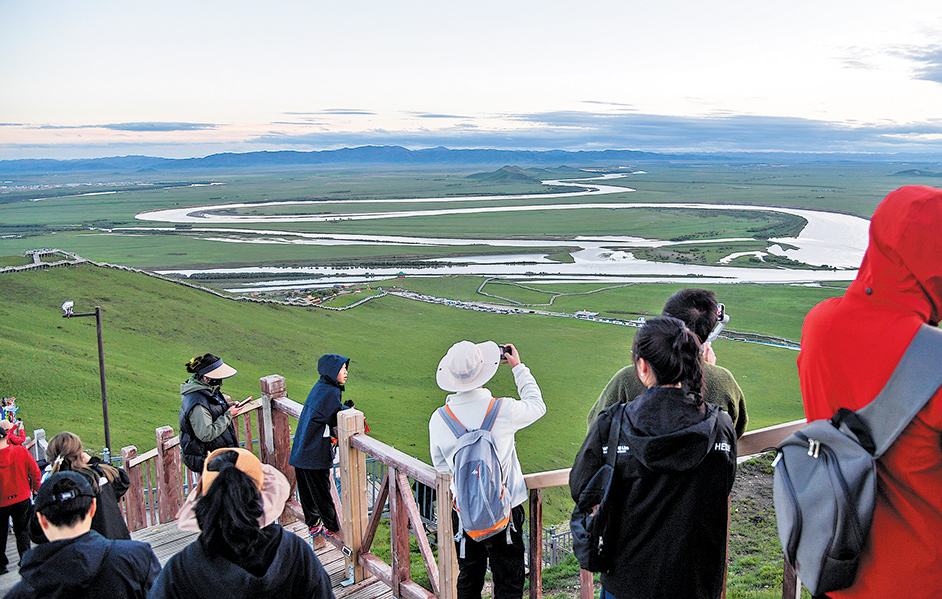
(312, 450)
(675, 465)
(77, 562)
(242, 552)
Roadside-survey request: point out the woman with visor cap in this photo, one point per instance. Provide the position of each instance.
(205, 415)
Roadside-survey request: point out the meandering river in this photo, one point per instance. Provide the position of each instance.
(833, 239)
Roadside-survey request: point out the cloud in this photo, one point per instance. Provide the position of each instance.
(578, 130)
(155, 126)
(428, 115)
(555, 130)
(926, 61)
(930, 63)
(158, 126)
(334, 111)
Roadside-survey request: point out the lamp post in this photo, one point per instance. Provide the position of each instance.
(68, 313)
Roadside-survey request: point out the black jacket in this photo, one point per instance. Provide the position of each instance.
(311, 448)
(674, 470)
(193, 450)
(108, 519)
(292, 573)
(87, 567)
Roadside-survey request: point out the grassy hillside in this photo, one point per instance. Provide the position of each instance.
(152, 327)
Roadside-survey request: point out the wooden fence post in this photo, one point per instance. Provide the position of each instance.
(447, 556)
(791, 585)
(353, 489)
(168, 476)
(39, 446)
(135, 496)
(274, 432)
(536, 543)
(399, 534)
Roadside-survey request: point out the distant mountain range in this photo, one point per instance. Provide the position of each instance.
(397, 155)
(386, 155)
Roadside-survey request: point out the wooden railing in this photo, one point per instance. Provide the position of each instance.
(358, 527)
(751, 443)
(159, 483)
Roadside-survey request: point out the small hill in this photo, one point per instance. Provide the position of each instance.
(515, 174)
(915, 172)
(506, 174)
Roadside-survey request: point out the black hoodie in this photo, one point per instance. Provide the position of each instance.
(88, 566)
(674, 470)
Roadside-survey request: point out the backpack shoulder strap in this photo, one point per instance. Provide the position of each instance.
(614, 431)
(491, 415)
(914, 381)
(452, 421)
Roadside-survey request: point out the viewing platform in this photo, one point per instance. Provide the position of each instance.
(408, 495)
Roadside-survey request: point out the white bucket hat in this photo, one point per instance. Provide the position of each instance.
(468, 366)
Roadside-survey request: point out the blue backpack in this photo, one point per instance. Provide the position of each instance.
(481, 497)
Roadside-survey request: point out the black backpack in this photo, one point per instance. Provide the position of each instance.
(825, 483)
(589, 523)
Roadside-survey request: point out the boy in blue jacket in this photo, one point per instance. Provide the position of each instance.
(312, 452)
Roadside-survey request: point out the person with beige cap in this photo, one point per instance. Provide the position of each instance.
(242, 551)
(463, 371)
(205, 415)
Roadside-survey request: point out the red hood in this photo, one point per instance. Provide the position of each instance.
(903, 264)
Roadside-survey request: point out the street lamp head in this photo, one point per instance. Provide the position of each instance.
(67, 308)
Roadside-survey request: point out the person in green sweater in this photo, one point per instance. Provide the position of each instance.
(699, 311)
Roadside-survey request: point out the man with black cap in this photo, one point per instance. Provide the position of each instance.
(205, 415)
(77, 562)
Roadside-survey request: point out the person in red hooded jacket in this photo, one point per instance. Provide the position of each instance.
(849, 347)
(19, 479)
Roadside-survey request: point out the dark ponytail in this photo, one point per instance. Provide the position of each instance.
(228, 513)
(197, 363)
(672, 352)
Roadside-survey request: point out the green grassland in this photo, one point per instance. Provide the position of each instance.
(151, 327)
(666, 223)
(156, 251)
(776, 310)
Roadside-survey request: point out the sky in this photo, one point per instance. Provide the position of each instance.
(93, 78)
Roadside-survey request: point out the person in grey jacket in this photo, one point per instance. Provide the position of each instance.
(205, 415)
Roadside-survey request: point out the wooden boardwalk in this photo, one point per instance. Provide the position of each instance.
(167, 539)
